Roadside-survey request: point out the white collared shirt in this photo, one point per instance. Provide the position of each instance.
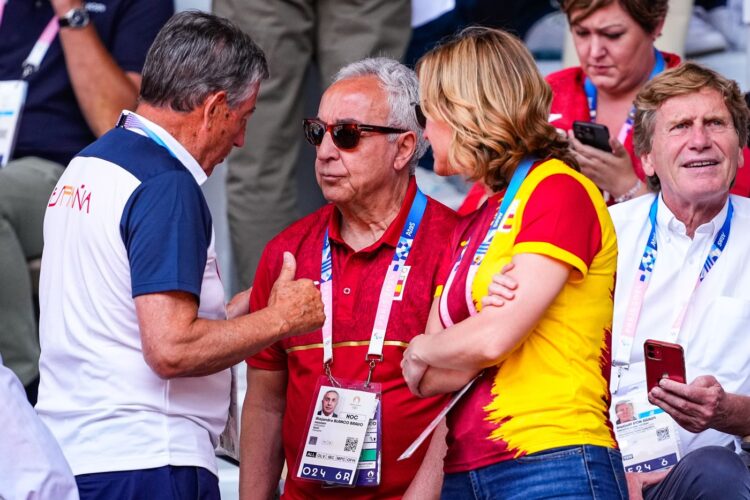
(714, 334)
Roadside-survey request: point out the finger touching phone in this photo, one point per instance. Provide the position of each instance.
(663, 360)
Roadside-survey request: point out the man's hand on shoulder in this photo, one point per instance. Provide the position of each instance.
(297, 302)
(697, 406)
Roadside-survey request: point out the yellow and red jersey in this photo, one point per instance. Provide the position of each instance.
(553, 389)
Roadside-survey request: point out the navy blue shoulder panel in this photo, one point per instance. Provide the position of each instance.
(135, 153)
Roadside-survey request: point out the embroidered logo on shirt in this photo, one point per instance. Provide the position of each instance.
(71, 197)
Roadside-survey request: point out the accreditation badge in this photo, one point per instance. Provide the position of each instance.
(368, 468)
(341, 441)
(647, 435)
(12, 98)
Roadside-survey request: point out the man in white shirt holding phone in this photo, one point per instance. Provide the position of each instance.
(682, 278)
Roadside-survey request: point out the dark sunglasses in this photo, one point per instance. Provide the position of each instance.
(421, 118)
(344, 135)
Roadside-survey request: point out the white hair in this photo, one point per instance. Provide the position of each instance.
(402, 88)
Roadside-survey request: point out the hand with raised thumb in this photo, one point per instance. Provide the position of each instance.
(297, 302)
(288, 268)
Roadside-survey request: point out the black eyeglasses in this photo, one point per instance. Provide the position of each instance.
(344, 135)
(421, 118)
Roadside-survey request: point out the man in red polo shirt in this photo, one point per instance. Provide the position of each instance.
(376, 249)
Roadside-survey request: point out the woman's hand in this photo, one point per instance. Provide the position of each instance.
(412, 365)
(240, 304)
(611, 172)
(501, 289)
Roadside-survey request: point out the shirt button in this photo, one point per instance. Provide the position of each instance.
(347, 291)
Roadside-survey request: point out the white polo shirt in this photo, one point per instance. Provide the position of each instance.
(715, 333)
(125, 219)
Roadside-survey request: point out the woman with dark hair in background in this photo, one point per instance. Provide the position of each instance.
(614, 40)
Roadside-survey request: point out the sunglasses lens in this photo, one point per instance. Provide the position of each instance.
(421, 118)
(314, 132)
(346, 136)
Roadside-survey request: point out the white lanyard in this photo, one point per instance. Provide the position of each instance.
(387, 292)
(42, 45)
(515, 183)
(643, 278)
(130, 120)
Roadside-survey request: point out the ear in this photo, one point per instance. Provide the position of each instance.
(658, 29)
(647, 163)
(214, 105)
(407, 146)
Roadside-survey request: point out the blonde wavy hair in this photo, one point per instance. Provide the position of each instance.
(485, 85)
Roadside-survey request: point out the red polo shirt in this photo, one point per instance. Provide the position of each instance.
(357, 281)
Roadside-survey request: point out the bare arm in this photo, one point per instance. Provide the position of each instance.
(429, 479)
(703, 404)
(441, 380)
(485, 339)
(177, 343)
(101, 87)
(424, 380)
(262, 454)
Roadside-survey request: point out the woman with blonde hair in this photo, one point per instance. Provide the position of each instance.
(535, 422)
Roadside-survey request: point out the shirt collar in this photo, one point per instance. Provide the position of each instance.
(666, 219)
(174, 146)
(391, 235)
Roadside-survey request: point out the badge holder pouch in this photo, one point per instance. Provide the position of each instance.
(342, 448)
(647, 436)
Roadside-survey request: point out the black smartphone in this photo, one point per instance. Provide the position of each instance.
(663, 360)
(592, 134)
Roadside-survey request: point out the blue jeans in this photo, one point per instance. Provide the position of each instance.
(568, 472)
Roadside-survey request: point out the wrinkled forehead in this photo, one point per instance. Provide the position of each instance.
(704, 102)
(359, 99)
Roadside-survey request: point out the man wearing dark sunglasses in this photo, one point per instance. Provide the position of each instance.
(375, 251)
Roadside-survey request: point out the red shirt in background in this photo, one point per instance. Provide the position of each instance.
(569, 104)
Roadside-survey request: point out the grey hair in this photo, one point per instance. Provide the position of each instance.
(402, 88)
(197, 54)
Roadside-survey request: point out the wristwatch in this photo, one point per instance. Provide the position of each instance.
(74, 18)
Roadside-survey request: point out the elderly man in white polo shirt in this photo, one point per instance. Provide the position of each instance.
(683, 277)
(135, 342)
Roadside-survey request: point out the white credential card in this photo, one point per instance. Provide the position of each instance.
(334, 440)
(646, 434)
(12, 98)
